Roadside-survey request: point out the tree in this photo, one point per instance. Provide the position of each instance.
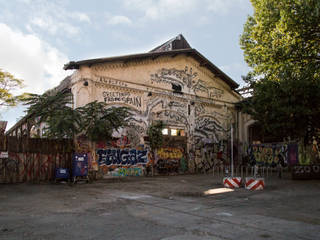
(99, 122)
(281, 44)
(55, 110)
(155, 137)
(95, 120)
(8, 84)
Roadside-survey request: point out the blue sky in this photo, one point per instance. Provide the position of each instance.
(37, 37)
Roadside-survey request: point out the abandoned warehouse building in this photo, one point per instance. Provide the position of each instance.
(173, 83)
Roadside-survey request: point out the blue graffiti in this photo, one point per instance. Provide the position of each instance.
(122, 157)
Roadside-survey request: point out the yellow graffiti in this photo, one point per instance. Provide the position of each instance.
(169, 153)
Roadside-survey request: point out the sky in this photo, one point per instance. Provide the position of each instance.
(37, 37)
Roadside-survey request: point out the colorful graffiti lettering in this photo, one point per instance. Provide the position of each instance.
(125, 172)
(169, 160)
(122, 157)
(273, 154)
(169, 153)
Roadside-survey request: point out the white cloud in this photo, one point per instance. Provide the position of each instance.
(115, 20)
(82, 17)
(31, 59)
(164, 9)
(53, 27)
(54, 18)
(161, 9)
(223, 7)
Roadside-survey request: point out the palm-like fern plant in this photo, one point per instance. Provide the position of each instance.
(99, 122)
(93, 120)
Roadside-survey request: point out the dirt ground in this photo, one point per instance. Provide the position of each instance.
(167, 208)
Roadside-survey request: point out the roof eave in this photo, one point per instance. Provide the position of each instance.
(218, 72)
(214, 69)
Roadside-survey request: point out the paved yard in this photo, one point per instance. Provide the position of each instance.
(172, 207)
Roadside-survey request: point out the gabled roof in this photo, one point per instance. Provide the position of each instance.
(173, 47)
(178, 42)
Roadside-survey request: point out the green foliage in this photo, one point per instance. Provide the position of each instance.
(281, 44)
(56, 111)
(46, 105)
(94, 120)
(98, 121)
(64, 122)
(155, 136)
(8, 84)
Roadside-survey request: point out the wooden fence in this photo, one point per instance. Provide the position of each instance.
(33, 160)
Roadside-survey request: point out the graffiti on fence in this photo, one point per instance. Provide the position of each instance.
(24, 167)
(122, 157)
(125, 172)
(8, 169)
(306, 172)
(273, 154)
(315, 150)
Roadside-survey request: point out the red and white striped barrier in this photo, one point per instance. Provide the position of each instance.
(254, 183)
(232, 182)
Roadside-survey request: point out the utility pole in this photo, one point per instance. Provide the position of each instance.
(231, 132)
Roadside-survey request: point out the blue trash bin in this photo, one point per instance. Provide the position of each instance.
(62, 174)
(79, 166)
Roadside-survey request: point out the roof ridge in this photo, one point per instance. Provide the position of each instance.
(176, 43)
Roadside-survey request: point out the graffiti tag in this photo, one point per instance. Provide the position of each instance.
(125, 172)
(122, 97)
(122, 157)
(169, 153)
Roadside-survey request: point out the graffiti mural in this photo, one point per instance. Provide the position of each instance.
(176, 104)
(211, 92)
(110, 81)
(127, 172)
(315, 150)
(122, 97)
(135, 131)
(122, 142)
(199, 109)
(173, 117)
(122, 157)
(208, 129)
(192, 110)
(169, 153)
(271, 155)
(174, 76)
(170, 160)
(186, 78)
